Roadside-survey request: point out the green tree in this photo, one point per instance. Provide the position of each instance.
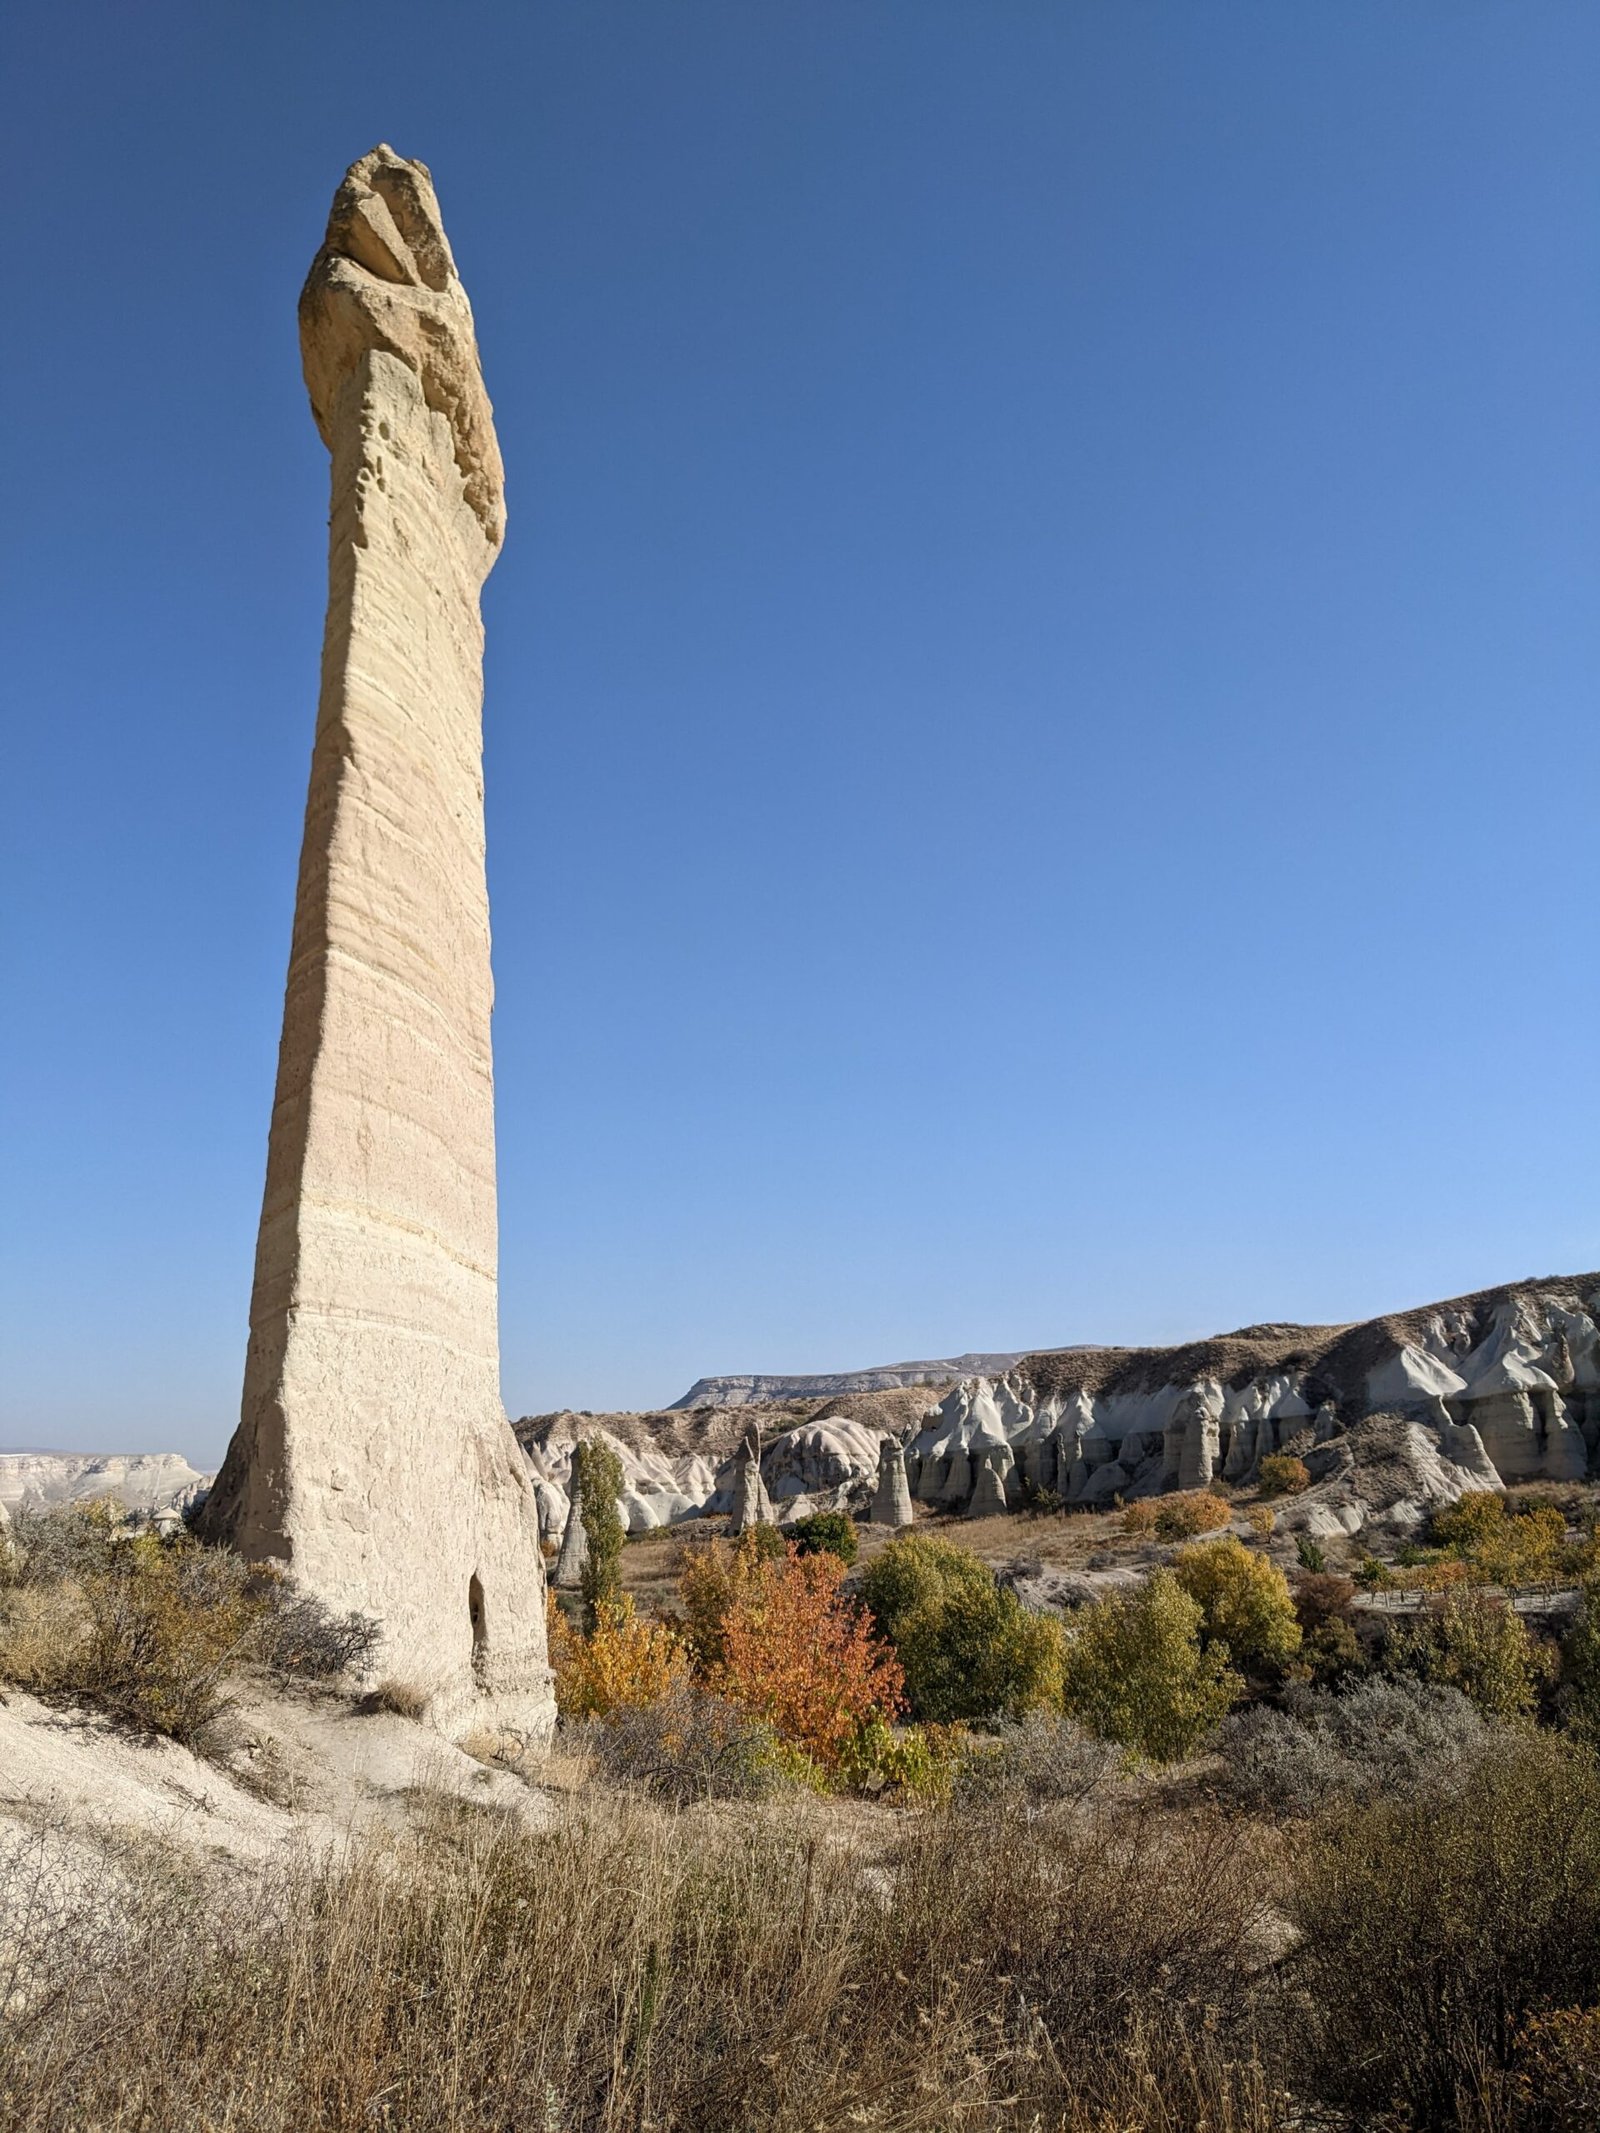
(597, 1483)
(1137, 1672)
(970, 1649)
(1244, 1601)
(824, 1533)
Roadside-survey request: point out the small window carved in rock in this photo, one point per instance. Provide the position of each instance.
(480, 1634)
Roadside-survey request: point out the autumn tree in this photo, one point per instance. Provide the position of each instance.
(1244, 1601)
(778, 1638)
(1473, 1641)
(1282, 1474)
(624, 1662)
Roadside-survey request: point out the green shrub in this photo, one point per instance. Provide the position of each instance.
(1435, 1926)
(824, 1533)
(918, 1762)
(597, 1483)
(970, 1649)
(767, 1544)
(151, 1627)
(1244, 1602)
(1284, 1475)
(1136, 1672)
(1308, 1554)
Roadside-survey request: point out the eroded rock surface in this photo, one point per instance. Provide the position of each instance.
(1487, 1389)
(1498, 1387)
(157, 1483)
(373, 1457)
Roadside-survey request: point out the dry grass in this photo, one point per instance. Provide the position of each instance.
(635, 1969)
(403, 1698)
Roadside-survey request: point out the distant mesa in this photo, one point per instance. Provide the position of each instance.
(747, 1391)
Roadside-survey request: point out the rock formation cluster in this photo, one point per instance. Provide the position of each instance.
(1390, 1415)
(1504, 1384)
(373, 1458)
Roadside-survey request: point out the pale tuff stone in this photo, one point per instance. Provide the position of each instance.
(153, 1483)
(751, 1504)
(385, 281)
(573, 1560)
(1516, 1368)
(1200, 1449)
(989, 1488)
(891, 1506)
(373, 1457)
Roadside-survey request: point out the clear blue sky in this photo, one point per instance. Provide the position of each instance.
(1042, 742)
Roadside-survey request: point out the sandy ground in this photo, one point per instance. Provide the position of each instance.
(296, 1772)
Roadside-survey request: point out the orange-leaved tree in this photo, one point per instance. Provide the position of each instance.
(784, 1643)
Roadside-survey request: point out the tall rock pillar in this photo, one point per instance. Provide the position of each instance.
(373, 1458)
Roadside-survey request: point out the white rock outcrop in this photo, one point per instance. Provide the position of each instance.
(156, 1484)
(1496, 1387)
(373, 1458)
(1499, 1387)
(751, 1504)
(573, 1560)
(891, 1502)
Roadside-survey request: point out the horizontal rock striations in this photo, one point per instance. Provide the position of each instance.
(372, 1458)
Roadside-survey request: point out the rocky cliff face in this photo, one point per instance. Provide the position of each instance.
(156, 1483)
(677, 1465)
(1501, 1386)
(1390, 1415)
(883, 1377)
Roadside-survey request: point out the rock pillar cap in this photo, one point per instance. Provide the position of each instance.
(384, 279)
